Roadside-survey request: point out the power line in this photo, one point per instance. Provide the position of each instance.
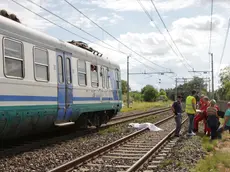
(64, 28)
(210, 38)
(113, 36)
(70, 23)
(225, 42)
(77, 34)
(151, 19)
(169, 33)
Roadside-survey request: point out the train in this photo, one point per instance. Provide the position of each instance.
(46, 82)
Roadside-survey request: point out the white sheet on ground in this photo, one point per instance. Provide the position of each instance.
(151, 126)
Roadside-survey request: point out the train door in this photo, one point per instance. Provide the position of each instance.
(102, 80)
(69, 87)
(105, 95)
(115, 86)
(65, 87)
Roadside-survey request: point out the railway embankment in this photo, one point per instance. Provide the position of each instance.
(198, 154)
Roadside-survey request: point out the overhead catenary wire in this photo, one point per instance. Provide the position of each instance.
(151, 19)
(225, 42)
(70, 23)
(113, 36)
(64, 28)
(79, 35)
(169, 33)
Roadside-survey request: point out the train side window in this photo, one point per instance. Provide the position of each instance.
(82, 75)
(107, 77)
(60, 69)
(117, 78)
(94, 76)
(68, 71)
(41, 64)
(13, 58)
(103, 77)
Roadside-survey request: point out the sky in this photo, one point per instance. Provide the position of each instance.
(143, 38)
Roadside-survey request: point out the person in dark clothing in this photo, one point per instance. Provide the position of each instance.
(177, 110)
(213, 119)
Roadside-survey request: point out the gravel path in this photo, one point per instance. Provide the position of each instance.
(184, 155)
(49, 157)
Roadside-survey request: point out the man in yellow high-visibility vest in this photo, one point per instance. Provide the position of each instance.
(190, 109)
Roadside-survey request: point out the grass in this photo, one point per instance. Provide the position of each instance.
(215, 162)
(207, 145)
(112, 129)
(218, 158)
(144, 106)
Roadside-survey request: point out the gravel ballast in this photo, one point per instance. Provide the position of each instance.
(147, 139)
(184, 155)
(46, 158)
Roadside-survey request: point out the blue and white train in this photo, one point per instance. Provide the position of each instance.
(46, 82)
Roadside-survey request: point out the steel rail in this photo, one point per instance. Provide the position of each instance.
(137, 114)
(72, 164)
(144, 158)
(130, 118)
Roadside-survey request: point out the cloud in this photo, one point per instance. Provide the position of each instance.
(132, 5)
(201, 23)
(26, 17)
(66, 12)
(190, 33)
(191, 36)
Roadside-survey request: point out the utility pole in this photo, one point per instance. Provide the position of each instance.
(184, 80)
(205, 72)
(212, 75)
(209, 86)
(128, 81)
(176, 90)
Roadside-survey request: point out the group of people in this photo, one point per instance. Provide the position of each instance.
(205, 110)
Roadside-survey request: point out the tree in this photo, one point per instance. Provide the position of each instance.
(170, 93)
(225, 75)
(149, 93)
(185, 89)
(196, 83)
(137, 96)
(223, 93)
(162, 95)
(124, 86)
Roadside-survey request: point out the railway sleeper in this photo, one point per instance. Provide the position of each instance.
(158, 158)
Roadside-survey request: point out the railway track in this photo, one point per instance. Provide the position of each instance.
(122, 116)
(13, 147)
(125, 118)
(126, 154)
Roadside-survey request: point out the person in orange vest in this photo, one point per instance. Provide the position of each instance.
(203, 105)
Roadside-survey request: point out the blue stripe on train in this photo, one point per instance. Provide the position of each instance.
(46, 98)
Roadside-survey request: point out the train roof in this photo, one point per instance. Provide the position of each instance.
(17, 30)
